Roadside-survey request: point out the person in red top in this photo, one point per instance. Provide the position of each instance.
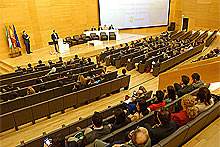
(189, 111)
(159, 101)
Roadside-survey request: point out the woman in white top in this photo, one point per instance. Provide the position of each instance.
(204, 99)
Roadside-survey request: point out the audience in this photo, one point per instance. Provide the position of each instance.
(10, 87)
(196, 82)
(139, 138)
(120, 119)
(183, 88)
(91, 134)
(204, 99)
(40, 64)
(189, 111)
(171, 94)
(159, 101)
(82, 81)
(165, 127)
(123, 73)
(30, 68)
(20, 69)
(30, 91)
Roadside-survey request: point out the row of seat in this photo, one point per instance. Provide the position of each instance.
(178, 34)
(64, 101)
(26, 100)
(31, 82)
(211, 38)
(70, 129)
(186, 35)
(179, 137)
(176, 60)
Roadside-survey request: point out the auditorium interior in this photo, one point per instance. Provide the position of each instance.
(98, 73)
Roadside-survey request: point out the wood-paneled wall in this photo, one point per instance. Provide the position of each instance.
(69, 17)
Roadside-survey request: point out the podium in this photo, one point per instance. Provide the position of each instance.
(62, 46)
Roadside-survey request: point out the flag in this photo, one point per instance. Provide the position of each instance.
(12, 36)
(9, 39)
(16, 37)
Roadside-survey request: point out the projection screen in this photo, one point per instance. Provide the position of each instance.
(123, 14)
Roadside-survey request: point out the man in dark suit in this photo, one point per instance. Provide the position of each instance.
(26, 41)
(183, 88)
(111, 27)
(163, 129)
(93, 29)
(55, 37)
(100, 28)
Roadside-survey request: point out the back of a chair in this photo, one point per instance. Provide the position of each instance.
(76, 37)
(102, 33)
(83, 36)
(111, 33)
(68, 38)
(93, 35)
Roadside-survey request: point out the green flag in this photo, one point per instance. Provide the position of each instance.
(9, 39)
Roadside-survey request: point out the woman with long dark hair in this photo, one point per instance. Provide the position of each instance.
(171, 95)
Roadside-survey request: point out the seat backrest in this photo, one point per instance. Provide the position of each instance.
(40, 110)
(68, 38)
(92, 34)
(7, 121)
(76, 37)
(83, 36)
(102, 33)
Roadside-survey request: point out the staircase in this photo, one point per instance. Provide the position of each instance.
(5, 68)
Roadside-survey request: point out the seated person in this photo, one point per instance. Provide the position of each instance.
(30, 68)
(139, 138)
(30, 90)
(10, 87)
(111, 27)
(183, 87)
(76, 87)
(204, 99)
(97, 131)
(61, 75)
(100, 28)
(89, 61)
(121, 54)
(20, 69)
(40, 64)
(196, 81)
(82, 81)
(39, 80)
(159, 101)
(76, 57)
(141, 110)
(171, 94)
(123, 73)
(165, 127)
(60, 60)
(105, 27)
(91, 82)
(102, 79)
(93, 28)
(120, 119)
(189, 112)
(50, 63)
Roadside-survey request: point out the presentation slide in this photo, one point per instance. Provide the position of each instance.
(133, 13)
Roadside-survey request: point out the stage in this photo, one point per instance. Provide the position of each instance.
(44, 54)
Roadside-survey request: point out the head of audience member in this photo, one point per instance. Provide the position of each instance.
(142, 106)
(188, 104)
(58, 141)
(29, 65)
(97, 120)
(124, 71)
(195, 77)
(185, 80)
(50, 62)
(54, 31)
(159, 96)
(61, 59)
(60, 84)
(143, 89)
(40, 62)
(204, 96)
(216, 51)
(19, 67)
(38, 80)
(13, 95)
(121, 45)
(89, 60)
(76, 57)
(24, 32)
(81, 62)
(119, 116)
(30, 90)
(171, 93)
(107, 48)
(82, 80)
(140, 137)
(126, 44)
(164, 116)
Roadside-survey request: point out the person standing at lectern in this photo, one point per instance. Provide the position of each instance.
(100, 28)
(55, 38)
(105, 27)
(26, 41)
